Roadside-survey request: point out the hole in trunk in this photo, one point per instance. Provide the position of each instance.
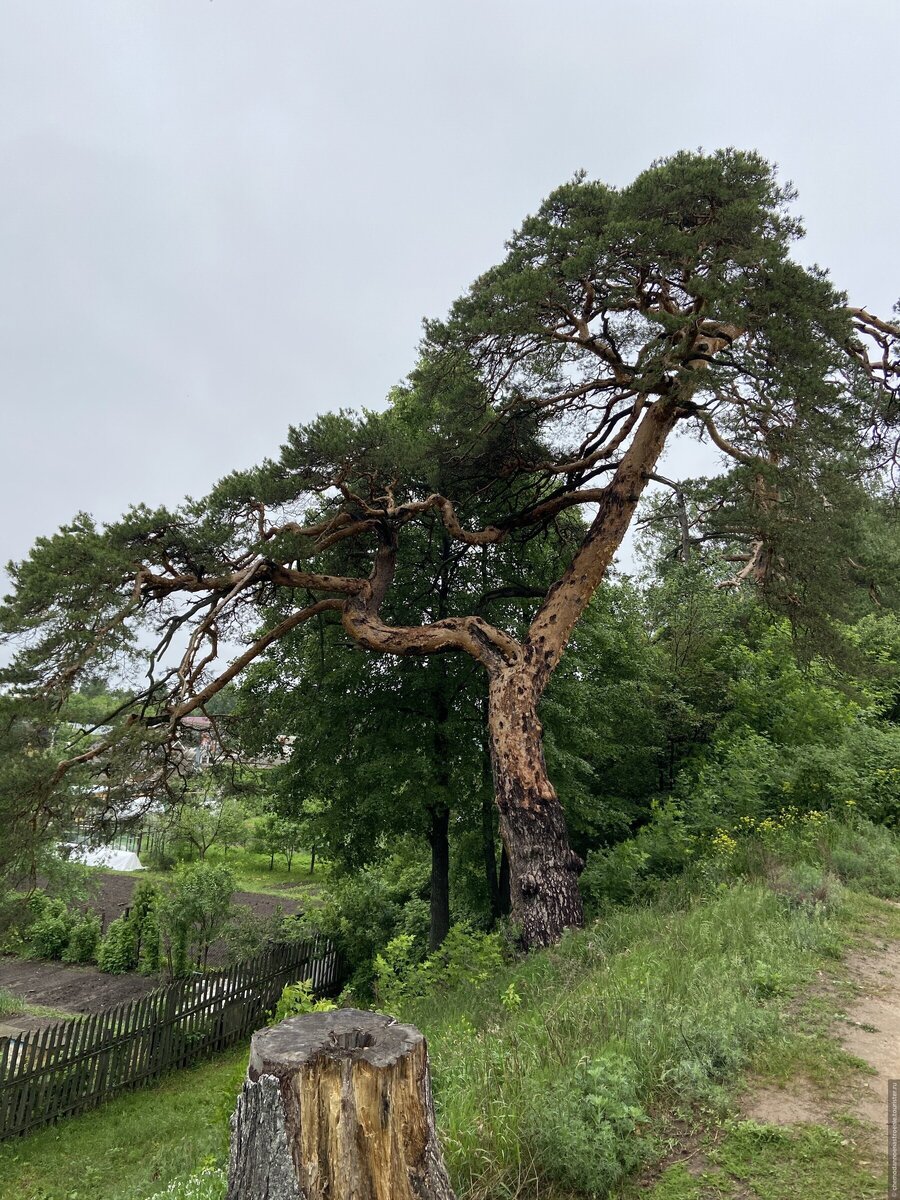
(351, 1039)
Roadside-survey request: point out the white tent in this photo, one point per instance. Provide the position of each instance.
(107, 856)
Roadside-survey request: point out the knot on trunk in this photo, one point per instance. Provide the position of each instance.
(337, 1105)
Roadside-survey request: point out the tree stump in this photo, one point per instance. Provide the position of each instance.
(337, 1106)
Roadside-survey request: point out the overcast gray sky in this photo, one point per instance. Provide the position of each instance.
(222, 217)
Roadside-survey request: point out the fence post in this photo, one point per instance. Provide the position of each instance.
(337, 1105)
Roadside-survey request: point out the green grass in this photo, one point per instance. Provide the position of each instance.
(129, 1149)
(810, 1160)
(10, 1005)
(775, 1164)
(666, 1008)
(252, 873)
(14, 1006)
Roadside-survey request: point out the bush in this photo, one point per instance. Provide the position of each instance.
(466, 959)
(362, 913)
(14, 916)
(84, 940)
(633, 869)
(248, 933)
(48, 934)
(193, 912)
(584, 1125)
(160, 858)
(149, 951)
(144, 923)
(866, 857)
(298, 999)
(118, 950)
(806, 887)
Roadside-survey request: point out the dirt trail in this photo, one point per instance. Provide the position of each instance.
(873, 1029)
(869, 1030)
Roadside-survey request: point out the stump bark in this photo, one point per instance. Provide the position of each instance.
(337, 1106)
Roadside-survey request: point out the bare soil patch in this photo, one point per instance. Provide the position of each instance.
(72, 989)
(794, 1105)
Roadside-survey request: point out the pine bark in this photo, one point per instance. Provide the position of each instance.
(337, 1106)
(543, 869)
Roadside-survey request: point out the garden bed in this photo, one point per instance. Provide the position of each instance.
(76, 989)
(115, 892)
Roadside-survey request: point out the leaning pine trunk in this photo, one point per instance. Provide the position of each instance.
(543, 868)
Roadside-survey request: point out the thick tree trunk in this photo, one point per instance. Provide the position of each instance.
(337, 1106)
(439, 838)
(543, 868)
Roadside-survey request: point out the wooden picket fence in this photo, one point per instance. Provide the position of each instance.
(71, 1066)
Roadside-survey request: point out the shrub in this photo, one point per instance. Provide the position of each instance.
(48, 934)
(118, 950)
(160, 858)
(394, 967)
(633, 869)
(193, 912)
(866, 857)
(14, 916)
(466, 958)
(298, 999)
(584, 1125)
(144, 923)
(84, 940)
(38, 903)
(806, 887)
(149, 952)
(248, 933)
(362, 913)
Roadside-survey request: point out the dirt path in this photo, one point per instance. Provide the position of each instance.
(873, 1028)
(869, 1029)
